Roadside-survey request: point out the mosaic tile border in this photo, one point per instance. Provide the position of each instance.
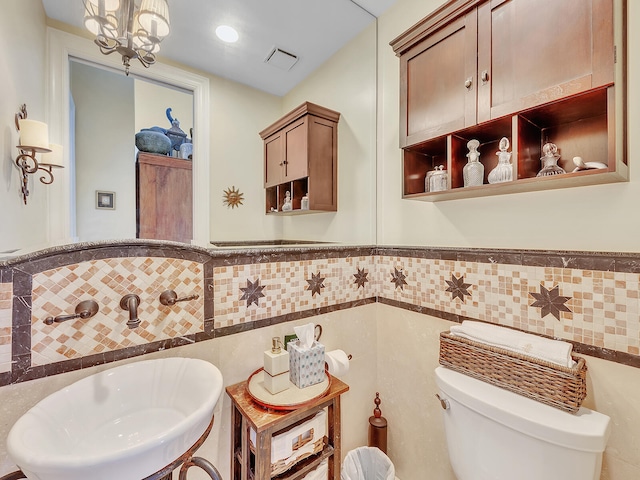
(470, 281)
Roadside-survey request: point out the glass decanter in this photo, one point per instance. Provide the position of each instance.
(503, 172)
(549, 161)
(438, 179)
(473, 171)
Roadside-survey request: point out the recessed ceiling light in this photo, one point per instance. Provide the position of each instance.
(227, 34)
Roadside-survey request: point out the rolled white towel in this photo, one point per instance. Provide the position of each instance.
(554, 351)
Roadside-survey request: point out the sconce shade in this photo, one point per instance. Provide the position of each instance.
(34, 134)
(53, 158)
(154, 17)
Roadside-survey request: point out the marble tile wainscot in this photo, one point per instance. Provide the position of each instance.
(52, 281)
(590, 299)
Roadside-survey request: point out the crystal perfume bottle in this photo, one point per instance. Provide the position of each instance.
(504, 170)
(287, 206)
(549, 161)
(473, 171)
(438, 179)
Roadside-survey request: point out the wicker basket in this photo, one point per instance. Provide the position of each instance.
(561, 387)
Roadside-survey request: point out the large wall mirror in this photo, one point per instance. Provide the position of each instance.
(227, 150)
(92, 103)
(105, 180)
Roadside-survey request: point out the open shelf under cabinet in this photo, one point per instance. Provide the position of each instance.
(582, 125)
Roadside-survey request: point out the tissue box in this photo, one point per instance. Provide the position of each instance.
(306, 367)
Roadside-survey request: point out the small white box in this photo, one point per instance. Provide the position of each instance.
(276, 363)
(276, 383)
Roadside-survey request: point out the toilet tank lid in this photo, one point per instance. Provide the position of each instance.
(585, 430)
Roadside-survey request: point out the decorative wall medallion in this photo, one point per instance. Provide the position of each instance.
(457, 287)
(361, 277)
(252, 292)
(315, 284)
(398, 278)
(550, 301)
(232, 197)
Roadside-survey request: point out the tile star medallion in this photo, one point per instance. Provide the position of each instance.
(457, 287)
(550, 301)
(361, 277)
(398, 278)
(315, 284)
(252, 292)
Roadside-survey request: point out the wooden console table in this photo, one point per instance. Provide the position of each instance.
(247, 415)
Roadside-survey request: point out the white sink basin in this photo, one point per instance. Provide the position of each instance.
(124, 423)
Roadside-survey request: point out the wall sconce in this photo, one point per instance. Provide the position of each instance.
(34, 138)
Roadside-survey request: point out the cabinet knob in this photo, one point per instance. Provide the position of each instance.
(468, 82)
(484, 76)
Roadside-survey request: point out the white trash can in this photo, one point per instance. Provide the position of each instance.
(367, 463)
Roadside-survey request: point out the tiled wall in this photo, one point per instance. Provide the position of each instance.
(259, 291)
(58, 290)
(589, 299)
(592, 307)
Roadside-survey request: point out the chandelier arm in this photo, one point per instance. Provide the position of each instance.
(144, 62)
(107, 51)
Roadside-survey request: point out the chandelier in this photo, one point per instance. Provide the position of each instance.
(132, 31)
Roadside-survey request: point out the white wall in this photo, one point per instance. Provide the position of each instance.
(595, 218)
(345, 83)
(104, 159)
(22, 61)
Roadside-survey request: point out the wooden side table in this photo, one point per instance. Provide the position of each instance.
(246, 414)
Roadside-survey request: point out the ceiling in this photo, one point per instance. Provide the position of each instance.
(313, 30)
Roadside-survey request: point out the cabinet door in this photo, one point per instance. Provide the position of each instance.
(274, 151)
(164, 198)
(438, 82)
(296, 163)
(532, 52)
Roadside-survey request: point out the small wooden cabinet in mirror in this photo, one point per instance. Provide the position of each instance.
(301, 158)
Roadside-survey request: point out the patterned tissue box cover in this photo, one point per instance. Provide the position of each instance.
(306, 367)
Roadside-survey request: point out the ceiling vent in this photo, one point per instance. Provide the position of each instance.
(281, 59)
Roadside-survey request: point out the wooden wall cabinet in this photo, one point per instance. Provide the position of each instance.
(164, 205)
(534, 71)
(301, 157)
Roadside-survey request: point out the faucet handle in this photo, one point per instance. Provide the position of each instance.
(170, 298)
(85, 309)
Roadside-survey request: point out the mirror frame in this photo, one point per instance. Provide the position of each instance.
(61, 47)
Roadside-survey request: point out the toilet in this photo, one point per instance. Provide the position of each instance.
(494, 434)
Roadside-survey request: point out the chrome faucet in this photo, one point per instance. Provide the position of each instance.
(131, 302)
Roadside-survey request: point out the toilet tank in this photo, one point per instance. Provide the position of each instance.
(494, 434)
